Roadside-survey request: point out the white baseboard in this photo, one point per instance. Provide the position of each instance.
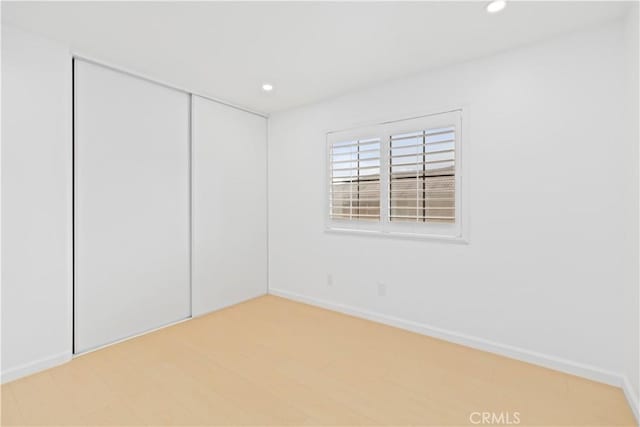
(632, 397)
(35, 366)
(540, 359)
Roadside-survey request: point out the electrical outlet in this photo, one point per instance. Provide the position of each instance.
(382, 289)
(329, 280)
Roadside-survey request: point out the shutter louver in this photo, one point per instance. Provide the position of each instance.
(422, 176)
(355, 180)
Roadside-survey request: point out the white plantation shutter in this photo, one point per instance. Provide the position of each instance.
(399, 178)
(422, 176)
(354, 191)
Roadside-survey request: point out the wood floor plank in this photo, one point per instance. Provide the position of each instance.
(275, 362)
(9, 411)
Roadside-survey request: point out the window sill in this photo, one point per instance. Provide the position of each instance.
(398, 235)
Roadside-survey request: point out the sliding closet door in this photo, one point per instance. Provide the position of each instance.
(229, 205)
(131, 206)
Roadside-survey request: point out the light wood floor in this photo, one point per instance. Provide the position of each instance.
(275, 362)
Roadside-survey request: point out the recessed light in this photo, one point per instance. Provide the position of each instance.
(496, 6)
(267, 87)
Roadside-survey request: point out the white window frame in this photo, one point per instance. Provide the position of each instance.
(457, 232)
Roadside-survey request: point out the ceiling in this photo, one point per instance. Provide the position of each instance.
(308, 50)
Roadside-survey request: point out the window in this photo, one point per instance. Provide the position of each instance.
(400, 177)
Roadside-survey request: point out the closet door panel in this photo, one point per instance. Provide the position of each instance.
(229, 205)
(131, 206)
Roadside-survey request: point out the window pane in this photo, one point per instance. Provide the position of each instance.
(422, 176)
(355, 180)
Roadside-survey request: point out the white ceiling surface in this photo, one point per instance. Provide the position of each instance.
(309, 50)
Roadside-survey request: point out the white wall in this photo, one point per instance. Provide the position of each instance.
(548, 265)
(229, 205)
(632, 294)
(36, 203)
